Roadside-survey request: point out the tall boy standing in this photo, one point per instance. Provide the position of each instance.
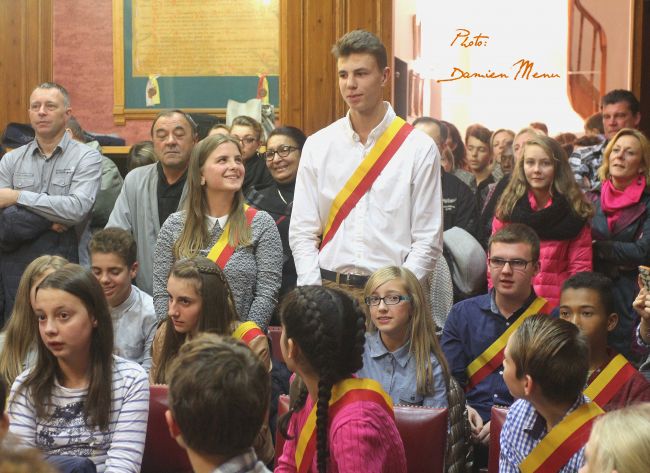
(368, 186)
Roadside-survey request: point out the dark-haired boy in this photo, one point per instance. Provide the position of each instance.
(113, 262)
(545, 367)
(219, 394)
(477, 329)
(587, 302)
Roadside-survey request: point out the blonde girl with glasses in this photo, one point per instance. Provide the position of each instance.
(402, 351)
(403, 354)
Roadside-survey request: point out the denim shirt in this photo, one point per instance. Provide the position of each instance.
(396, 372)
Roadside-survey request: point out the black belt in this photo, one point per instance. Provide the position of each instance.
(356, 280)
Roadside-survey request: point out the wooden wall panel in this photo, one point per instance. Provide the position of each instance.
(25, 54)
(308, 84)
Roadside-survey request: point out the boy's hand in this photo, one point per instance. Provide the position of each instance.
(484, 435)
(475, 422)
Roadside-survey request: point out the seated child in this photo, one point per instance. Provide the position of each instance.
(620, 442)
(545, 368)
(322, 342)
(113, 262)
(79, 400)
(218, 429)
(587, 302)
(200, 301)
(18, 339)
(402, 350)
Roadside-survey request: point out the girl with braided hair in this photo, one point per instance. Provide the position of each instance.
(200, 300)
(337, 422)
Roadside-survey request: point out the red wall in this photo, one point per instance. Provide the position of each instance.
(83, 64)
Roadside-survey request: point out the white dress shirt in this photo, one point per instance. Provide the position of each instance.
(397, 222)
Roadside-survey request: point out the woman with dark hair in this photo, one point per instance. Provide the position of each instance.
(217, 224)
(543, 194)
(79, 400)
(322, 342)
(283, 148)
(620, 228)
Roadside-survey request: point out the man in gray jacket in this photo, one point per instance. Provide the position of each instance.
(151, 193)
(47, 191)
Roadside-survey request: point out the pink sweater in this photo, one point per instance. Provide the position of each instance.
(559, 259)
(362, 437)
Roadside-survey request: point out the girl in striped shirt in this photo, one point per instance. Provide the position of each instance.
(79, 400)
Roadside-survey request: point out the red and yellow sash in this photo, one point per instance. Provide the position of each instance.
(247, 332)
(343, 393)
(365, 175)
(603, 388)
(563, 441)
(492, 357)
(221, 252)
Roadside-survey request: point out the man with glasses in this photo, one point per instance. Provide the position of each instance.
(151, 193)
(477, 329)
(47, 190)
(249, 133)
(368, 186)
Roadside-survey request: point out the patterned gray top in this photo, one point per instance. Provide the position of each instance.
(254, 272)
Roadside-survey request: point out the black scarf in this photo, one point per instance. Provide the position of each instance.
(558, 221)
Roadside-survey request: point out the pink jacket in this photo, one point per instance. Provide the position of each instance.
(362, 437)
(559, 260)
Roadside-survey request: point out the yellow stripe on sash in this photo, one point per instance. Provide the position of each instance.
(605, 376)
(558, 435)
(339, 390)
(366, 165)
(222, 242)
(243, 328)
(500, 343)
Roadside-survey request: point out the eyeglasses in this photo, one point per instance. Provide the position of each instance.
(392, 299)
(515, 264)
(283, 151)
(247, 140)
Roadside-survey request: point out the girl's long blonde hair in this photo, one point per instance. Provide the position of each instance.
(21, 330)
(195, 236)
(621, 441)
(423, 338)
(563, 181)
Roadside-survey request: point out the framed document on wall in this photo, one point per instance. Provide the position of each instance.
(192, 54)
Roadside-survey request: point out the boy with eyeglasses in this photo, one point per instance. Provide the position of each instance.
(478, 328)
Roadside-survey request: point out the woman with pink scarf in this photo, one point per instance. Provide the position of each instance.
(621, 225)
